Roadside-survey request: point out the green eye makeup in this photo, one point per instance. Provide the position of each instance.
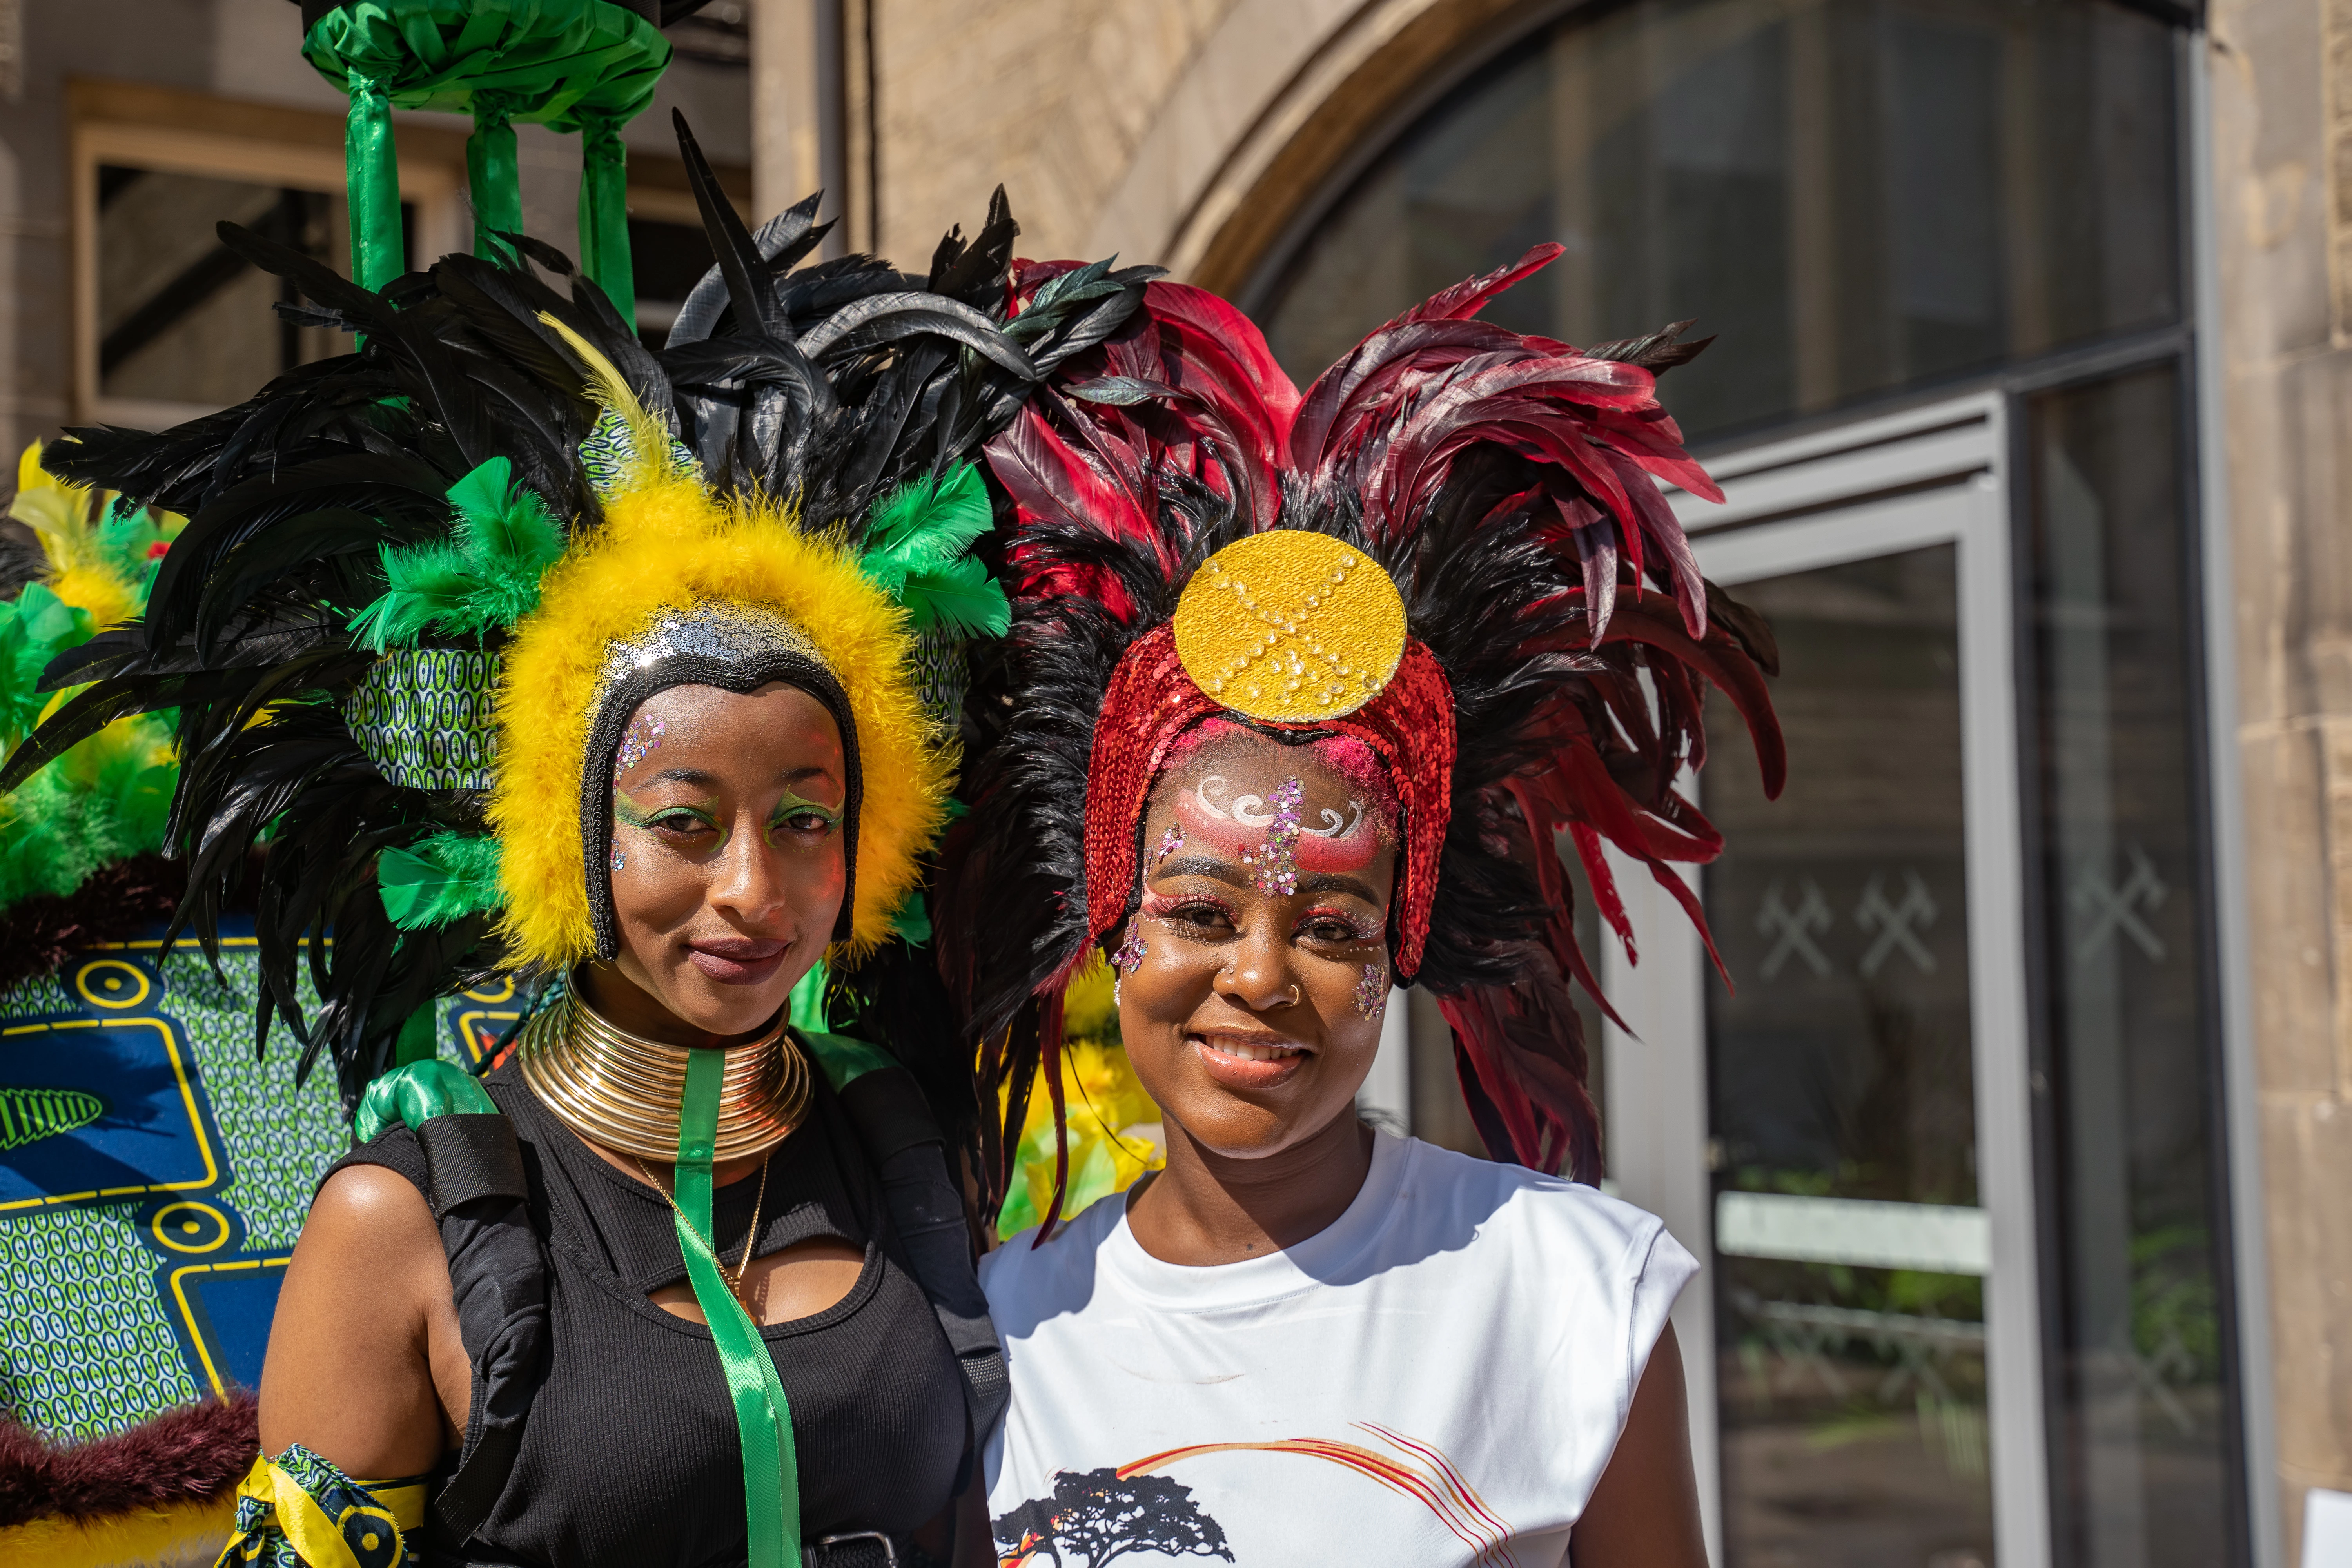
(793, 805)
(693, 818)
(704, 817)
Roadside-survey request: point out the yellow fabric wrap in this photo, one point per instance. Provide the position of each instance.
(665, 542)
(371, 1533)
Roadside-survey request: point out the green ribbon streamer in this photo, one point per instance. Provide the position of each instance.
(371, 170)
(806, 1008)
(771, 1486)
(419, 1038)
(492, 177)
(605, 213)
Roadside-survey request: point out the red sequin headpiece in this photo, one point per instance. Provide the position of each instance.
(1151, 702)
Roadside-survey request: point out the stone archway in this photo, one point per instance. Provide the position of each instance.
(1275, 104)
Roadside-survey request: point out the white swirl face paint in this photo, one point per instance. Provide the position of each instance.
(1252, 810)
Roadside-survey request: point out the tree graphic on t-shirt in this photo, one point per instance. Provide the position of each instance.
(1099, 1518)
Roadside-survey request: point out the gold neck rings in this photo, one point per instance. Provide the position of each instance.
(625, 1091)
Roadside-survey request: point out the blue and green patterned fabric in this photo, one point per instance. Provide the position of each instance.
(424, 716)
(153, 1176)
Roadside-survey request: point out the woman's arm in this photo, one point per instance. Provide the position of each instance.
(364, 1357)
(975, 1546)
(1644, 1511)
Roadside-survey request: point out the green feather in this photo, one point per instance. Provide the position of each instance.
(487, 574)
(922, 525)
(440, 881)
(959, 596)
(483, 491)
(103, 801)
(920, 535)
(35, 628)
(509, 532)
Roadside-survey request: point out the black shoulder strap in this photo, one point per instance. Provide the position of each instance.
(498, 1277)
(497, 1270)
(902, 1139)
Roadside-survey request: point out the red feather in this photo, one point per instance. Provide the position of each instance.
(1468, 298)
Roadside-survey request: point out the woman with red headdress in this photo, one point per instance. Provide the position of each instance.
(1302, 692)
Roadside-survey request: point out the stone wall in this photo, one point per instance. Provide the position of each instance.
(1052, 97)
(2282, 91)
(1186, 132)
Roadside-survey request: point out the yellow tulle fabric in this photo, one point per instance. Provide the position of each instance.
(1115, 1131)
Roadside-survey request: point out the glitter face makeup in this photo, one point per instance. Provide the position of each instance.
(628, 813)
(1372, 993)
(619, 859)
(1129, 958)
(1170, 842)
(1276, 862)
(1342, 840)
(642, 738)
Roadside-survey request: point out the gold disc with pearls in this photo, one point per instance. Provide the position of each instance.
(1290, 627)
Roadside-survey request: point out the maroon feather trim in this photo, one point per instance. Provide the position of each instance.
(193, 1454)
(1521, 1053)
(1467, 298)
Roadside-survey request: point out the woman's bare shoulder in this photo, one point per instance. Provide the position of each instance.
(350, 1372)
(365, 1207)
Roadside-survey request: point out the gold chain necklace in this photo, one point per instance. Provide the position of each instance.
(623, 1090)
(750, 1239)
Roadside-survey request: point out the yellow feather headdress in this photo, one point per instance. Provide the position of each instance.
(668, 545)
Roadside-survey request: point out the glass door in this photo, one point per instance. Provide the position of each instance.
(1839, 1123)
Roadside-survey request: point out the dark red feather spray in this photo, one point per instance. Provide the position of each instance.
(1509, 485)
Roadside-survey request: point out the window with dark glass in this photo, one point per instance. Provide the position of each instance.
(1851, 1397)
(1854, 196)
(2141, 1430)
(181, 318)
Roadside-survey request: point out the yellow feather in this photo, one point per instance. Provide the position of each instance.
(60, 514)
(30, 474)
(182, 1533)
(667, 544)
(648, 438)
(110, 600)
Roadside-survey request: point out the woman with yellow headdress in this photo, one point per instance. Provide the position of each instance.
(629, 676)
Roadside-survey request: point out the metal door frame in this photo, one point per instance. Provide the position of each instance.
(1932, 475)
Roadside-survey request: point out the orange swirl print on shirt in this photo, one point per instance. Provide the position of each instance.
(1427, 1476)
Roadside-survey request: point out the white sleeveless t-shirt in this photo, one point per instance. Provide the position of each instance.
(1436, 1379)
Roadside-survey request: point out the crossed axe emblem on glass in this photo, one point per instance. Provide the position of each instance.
(2107, 907)
(1893, 923)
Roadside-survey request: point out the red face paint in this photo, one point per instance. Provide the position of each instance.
(1336, 833)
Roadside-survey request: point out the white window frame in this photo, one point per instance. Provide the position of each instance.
(1931, 475)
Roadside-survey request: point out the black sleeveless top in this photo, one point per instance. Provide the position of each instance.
(630, 1456)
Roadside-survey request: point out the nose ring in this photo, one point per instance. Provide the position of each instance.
(1296, 997)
